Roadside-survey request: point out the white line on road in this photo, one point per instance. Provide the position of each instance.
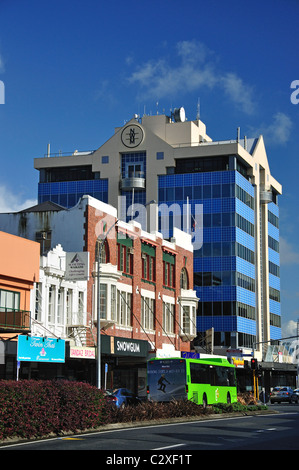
(169, 447)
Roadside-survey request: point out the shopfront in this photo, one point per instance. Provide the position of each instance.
(124, 363)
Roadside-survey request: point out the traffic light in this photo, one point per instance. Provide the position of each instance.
(254, 365)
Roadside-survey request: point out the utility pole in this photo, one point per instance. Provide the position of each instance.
(254, 368)
(100, 241)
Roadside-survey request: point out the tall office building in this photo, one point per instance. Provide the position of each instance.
(220, 191)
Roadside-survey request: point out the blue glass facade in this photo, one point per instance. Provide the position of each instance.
(274, 271)
(224, 267)
(68, 193)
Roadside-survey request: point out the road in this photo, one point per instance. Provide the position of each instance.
(261, 432)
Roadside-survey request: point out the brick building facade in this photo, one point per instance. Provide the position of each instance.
(146, 292)
(146, 263)
(147, 301)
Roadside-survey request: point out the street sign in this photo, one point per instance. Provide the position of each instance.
(234, 352)
(237, 353)
(190, 355)
(77, 266)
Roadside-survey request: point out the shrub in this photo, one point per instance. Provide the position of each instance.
(182, 408)
(81, 406)
(30, 408)
(237, 407)
(247, 398)
(37, 408)
(148, 410)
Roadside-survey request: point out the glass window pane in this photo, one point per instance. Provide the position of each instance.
(207, 192)
(197, 192)
(216, 190)
(9, 300)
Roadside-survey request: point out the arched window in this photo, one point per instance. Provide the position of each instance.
(104, 251)
(184, 279)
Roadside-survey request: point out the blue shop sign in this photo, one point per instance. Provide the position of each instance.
(40, 349)
(190, 355)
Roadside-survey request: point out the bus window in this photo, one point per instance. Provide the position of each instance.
(200, 373)
(232, 377)
(166, 380)
(222, 376)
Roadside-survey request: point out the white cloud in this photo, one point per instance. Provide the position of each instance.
(196, 69)
(281, 127)
(10, 202)
(289, 329)
(288, 253)
(278, 131)
(240, 93)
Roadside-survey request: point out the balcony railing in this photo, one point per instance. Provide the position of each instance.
(76, 319)
(133, 180)
(13, 319)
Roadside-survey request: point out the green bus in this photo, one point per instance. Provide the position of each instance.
(204, 381)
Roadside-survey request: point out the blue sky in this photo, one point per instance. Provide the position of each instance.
(74, 70)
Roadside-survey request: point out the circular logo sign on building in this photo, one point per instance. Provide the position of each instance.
(132, 136)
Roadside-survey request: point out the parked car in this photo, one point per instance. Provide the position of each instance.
(122, 397)
(280, 394)
(109, 397)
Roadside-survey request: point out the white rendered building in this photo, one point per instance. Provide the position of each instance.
(58, 305)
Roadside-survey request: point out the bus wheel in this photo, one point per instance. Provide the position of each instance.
(228, 399)
(204, 401)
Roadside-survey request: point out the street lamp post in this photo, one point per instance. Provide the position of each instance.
(101, 245)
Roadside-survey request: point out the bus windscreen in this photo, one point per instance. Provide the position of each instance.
(166, 379)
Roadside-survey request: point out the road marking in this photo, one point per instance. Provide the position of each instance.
(169, 447)
(264, 430)
(71, 439)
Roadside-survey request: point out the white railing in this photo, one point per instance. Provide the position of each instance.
(76, 318)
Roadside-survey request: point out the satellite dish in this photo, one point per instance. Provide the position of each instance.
(179, 115)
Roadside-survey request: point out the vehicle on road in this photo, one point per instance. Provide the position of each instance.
(283, 394)
(122, 397)
(203, 381)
